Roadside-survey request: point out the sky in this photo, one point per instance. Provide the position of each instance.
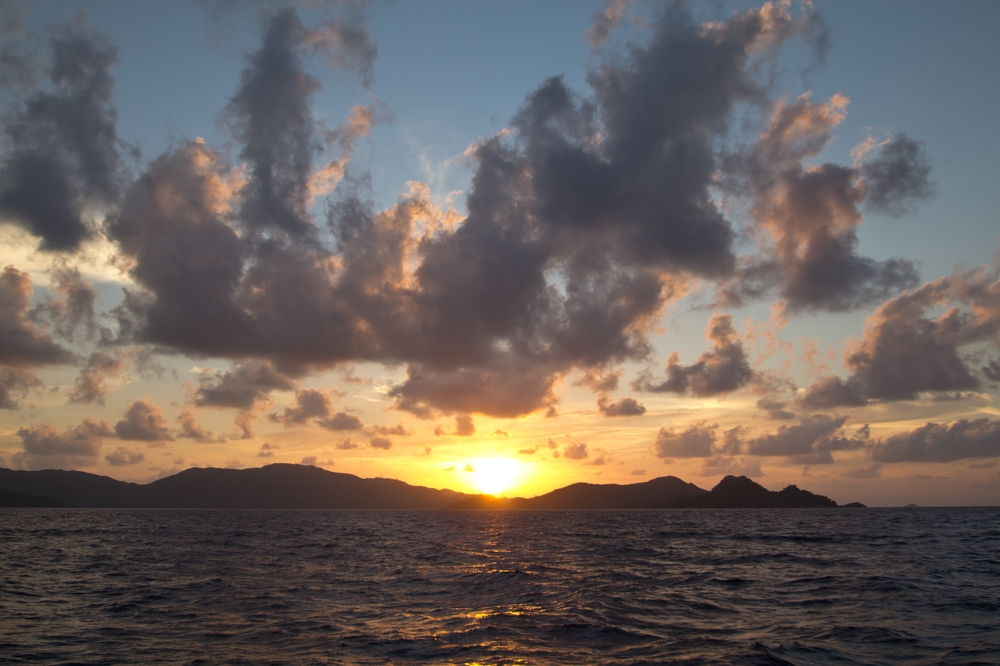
(505, 246)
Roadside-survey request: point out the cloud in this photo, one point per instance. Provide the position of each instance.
(587, 216)
(605, 21)
(340, 422)
(904, 352)
(44, 447)
(775, 409)
(576, 451)
(811, 213)
(603, 459)
(316, 462)
(72, 309)
(398, 429)
(583, 223)
(191, 429)
(267, 450)
(941, 442)
(123, 456)
(380, 443)
(22, 343)
(346, 42)
(270, 116)
(600, 383)
(64, 149)
(346, 444)
(143, 422)
(638, 472)
(624, 407)
(464, 426)
(504, 393)
(315, 405)
(872, 471)
(246, 387)
(812, 434)
(722, 370)
(18, 61)
(729, 465)
(694, 442)
(15, 385)
(309, 404)
(91, 384)
(898, 177)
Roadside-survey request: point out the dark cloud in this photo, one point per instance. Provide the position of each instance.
(941, 442)
(64, 148)
(775, 409)
(346, 444)
(810, 442)
(91, 384)
(811, 213)
(694, 442)
(505, 393)
(380, 443)
(346, 42)
(270, 115)
(832, 392)
(22, 343)
(340, 422)
(585, 219)
(44, 447)
(246, 387)
(15, 384)
(309, 404)
(904, 352)
(267, 450)
(600, 383)
(464, 426)
(18, 62)
(315, 405)
(722, 370)
(191, 429)
(576, 451)
(624, 407)
(898, 177)
(992, 370)
(123, 456)
(143, 422)
(72, 309)
(398, 429)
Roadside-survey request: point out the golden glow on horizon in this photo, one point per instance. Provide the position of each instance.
(493, 476)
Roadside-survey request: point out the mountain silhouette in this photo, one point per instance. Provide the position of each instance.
(656, 493)
(9, 498)
(278, 486)
(739, 492)
(284, 486)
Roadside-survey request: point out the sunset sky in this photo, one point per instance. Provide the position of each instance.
(506, 246)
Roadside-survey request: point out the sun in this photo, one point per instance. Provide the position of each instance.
(493, 476)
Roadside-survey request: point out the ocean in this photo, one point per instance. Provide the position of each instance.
(700, 586)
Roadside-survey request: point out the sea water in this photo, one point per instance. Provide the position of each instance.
(786, 586)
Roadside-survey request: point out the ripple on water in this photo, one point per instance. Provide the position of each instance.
(356, 587)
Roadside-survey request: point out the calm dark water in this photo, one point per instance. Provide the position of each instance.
(877, 586)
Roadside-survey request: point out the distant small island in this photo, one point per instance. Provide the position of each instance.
(284, 486)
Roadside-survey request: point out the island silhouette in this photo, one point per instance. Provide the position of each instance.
(288, 486)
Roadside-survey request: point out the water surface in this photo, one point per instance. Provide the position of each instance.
(786, 586)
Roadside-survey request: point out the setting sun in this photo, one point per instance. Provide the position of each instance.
(493, 476)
